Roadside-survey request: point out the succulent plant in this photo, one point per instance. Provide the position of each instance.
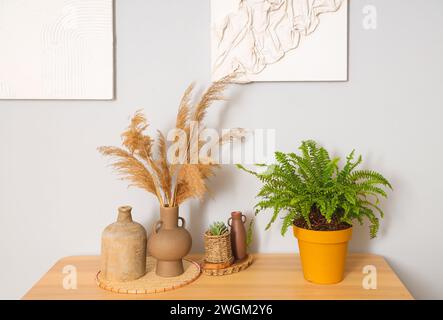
(218, 228)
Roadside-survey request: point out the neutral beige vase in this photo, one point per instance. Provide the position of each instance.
(169, 243)
(123, 256)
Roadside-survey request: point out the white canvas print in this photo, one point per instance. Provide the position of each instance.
(280, 40)
(56, 49)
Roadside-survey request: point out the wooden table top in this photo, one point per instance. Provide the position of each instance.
(271, 276)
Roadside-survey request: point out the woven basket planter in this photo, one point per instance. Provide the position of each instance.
(218, 249)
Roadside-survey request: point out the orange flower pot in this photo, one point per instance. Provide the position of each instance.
(323, 254)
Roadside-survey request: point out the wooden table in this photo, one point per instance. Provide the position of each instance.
(271, 276)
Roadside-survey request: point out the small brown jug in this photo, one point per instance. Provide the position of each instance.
(238, 234)
(123, 252)
(169, 243)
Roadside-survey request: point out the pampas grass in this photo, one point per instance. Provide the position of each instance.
(149, 169)
(132, 169)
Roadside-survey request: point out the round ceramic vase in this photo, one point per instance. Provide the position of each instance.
(169, 243)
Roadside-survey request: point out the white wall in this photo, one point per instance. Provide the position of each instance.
(56, 193)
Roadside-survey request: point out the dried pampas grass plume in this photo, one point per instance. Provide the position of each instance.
(165, 177)
(212, 94)
(184, 108)
(149, 169)
(133, 138)
(131, 169)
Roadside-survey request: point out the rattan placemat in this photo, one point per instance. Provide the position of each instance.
(150, 282)
(237, 266)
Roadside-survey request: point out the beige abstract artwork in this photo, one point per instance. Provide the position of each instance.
(280, 40)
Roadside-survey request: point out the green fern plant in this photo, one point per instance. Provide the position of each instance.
(311, 185)
(217, 229)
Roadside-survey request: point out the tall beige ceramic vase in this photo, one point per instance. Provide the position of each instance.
(123, 256)
(169, 243)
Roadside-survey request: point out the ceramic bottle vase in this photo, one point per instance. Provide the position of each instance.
(238, 234)
(123, 251)
(169, 243)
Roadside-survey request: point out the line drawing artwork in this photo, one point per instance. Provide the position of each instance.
(261, 32)
(57, 49)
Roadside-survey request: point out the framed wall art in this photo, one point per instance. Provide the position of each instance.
(56, 49)
(280, 40)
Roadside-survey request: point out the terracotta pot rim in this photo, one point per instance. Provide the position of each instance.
(326, 237)
(350, 227)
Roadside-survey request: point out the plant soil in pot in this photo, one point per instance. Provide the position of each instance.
(321, 201)
(169, 243)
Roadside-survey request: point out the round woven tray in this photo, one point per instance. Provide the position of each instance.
(150, 282)
(237, 266)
